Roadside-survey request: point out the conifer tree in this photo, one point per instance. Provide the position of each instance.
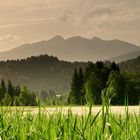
(82, 96)
(73, 96)
(114, 67)
(7, 100)
(77, 94)
(2, 89)
(17, 90)
(10, 89)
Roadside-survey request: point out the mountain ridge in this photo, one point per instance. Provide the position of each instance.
(75, 48)
(126, 57)
(132, 65)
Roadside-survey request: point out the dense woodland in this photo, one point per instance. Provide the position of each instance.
(16, 96)
(40, 73)
(132, 65)
(104, 81)
(56, 82)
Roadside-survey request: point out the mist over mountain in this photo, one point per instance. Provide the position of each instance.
(72, 49)
(126, 57)
(132, 65)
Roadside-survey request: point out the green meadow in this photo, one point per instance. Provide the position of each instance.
(24, 124)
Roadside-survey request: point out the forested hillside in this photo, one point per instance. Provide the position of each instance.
(132, 65)
(11, 95)
(40, 73)
(126, 57)
(104, 83)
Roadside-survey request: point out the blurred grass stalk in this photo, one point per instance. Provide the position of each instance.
(104, 125)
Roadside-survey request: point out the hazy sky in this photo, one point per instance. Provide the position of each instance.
(26, 21)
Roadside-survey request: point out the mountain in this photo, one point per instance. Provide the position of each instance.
(72, 49)
(125, 57)
(132, 65)
(40, 73)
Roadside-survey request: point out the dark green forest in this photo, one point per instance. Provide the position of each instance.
(104, 80)
(131, 65)
(11, 95)
(56, 82)
(40, 73)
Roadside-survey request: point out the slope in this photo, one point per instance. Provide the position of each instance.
(72, 49)
(40, 73)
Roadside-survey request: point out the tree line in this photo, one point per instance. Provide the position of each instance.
(50, 98)
(40, 72)
(132, 65)
(104, 79)
(11, 95)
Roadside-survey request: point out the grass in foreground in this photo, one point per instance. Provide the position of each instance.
(41, 126)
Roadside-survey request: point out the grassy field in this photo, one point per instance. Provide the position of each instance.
(76, 110)
(75, 123)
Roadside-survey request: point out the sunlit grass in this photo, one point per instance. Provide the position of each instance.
(103, 125)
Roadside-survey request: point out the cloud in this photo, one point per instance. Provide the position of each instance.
(67, 16)
(102, 14)
(9, 41)
(37, 19)
(99, 11)
(28, 22)
(8, 38)
(97, 15)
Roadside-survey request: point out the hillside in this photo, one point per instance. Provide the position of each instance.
(132, 65)
(40, 73)
(125, 57)
(72, 49)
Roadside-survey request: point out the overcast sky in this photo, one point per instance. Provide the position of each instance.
(27, 21)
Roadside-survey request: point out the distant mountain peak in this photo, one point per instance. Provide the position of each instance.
(57, 37)
(96, 38)
(75, 38)
(75, 48)
(121, 41)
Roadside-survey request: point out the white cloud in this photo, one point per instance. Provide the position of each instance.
(28, 22)
(8, 41)
(37, 19)
(8, 38)
(67, 16)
